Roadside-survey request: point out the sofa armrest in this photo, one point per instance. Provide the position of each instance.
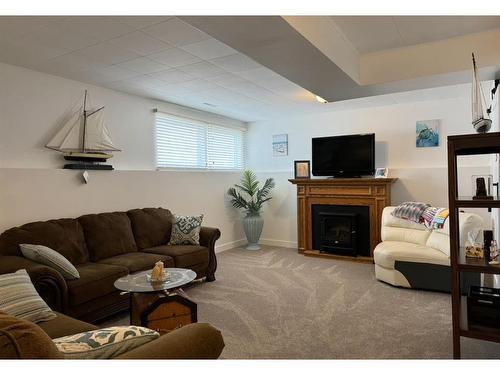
(49, 283)
(208, 236)
(194, 341)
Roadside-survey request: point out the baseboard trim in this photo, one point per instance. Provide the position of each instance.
(279, 243)
(229, 245)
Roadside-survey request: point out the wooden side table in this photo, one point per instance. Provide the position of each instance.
(162, 312)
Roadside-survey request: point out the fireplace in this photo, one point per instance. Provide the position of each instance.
(341, 230)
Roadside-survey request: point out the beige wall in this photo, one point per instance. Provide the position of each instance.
(34, 187)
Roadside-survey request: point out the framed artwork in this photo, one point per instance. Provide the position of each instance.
(427, 133)
(280, 145)
(302, 169)
(381, 173)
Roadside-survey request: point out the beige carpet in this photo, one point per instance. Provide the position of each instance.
(275, 303)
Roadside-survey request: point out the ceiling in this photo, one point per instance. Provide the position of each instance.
(370, 34)
(246, 67)
(162, 58)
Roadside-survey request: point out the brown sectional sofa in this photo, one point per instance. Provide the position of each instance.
(20, 339)
(103, 247)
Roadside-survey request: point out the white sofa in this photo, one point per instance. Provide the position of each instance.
(412, 256)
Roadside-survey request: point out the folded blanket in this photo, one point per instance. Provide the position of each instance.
(411, 211)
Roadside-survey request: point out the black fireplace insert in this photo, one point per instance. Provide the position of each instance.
(341, 230)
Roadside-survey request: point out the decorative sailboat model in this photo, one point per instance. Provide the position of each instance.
(85, 139)
(480, 118)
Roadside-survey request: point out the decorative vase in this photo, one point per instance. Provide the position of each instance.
(252, 224)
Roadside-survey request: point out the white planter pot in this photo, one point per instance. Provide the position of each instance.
(252, 224)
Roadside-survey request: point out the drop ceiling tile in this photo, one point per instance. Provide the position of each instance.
(172, 76)
(202, 70)
(140, 22)
(142, 65)
(54, 36)
(260, 74)
(209, 49)
(107, 54)
(100, 27)
(174, 57)
(68, 63)
(115, 73)
(140, 43)
(235, 63)
(176, 32)
(23, 53)
(227, 80)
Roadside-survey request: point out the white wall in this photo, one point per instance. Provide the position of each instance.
(422, 172)
(34, 187)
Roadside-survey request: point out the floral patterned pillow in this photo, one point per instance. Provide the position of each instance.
(186, 230)
(104, 343)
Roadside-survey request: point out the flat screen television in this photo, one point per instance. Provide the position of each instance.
(344, 156)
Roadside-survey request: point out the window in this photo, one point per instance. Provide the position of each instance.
(187, 143)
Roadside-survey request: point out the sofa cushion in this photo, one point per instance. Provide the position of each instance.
(64, 236)
(138, 261)
(387, 252)
(184, 255)
(21, 339)
(151, 226)
(95, 280)
(396, 229)
(64, 325)
(108, 234)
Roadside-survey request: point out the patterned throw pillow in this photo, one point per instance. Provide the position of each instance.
(45, 255)
(19, 298)
(104, 343)
(186, 230)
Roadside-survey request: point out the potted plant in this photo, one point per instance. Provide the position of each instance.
(249, 196)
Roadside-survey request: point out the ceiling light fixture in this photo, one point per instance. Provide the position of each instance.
(320, 99)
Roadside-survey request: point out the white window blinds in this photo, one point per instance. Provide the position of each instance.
(187, 143)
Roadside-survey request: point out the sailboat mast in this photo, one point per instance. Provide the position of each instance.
(84, 119)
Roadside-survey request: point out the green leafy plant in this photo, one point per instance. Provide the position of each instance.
(248, 195)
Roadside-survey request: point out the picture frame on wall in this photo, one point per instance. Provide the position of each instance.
(280, 145)
(302, 169)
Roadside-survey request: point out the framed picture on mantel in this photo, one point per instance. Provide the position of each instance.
(302, 169)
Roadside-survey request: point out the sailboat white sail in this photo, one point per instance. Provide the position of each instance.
(85, 132)
(480, 118)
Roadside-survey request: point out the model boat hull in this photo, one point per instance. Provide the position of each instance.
(86, 156)
(89, 166)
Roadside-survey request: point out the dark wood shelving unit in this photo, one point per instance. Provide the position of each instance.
(462, 145)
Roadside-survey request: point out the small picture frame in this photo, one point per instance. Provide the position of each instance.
(302, 169)
(381, 173)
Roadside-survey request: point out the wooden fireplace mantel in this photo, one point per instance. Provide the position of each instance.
(375, 193)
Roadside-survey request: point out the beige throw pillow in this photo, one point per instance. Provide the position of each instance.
(45, 255)
(104, 343)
